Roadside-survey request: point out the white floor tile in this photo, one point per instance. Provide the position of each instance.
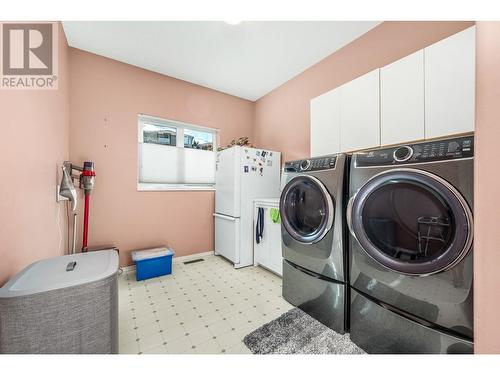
(189, 316)
(219, 327)
(194, 325)
(167, 317)
(243, 330)
(179, 346)
(150, 341)
(172, 333)
(127, 337)
(129, 348)
(211, 316)
(201, 335)
(228, 339)
(126, 324)
(238, 349)
(237, 320)
(190, 351)
(208, 347)
(146, 330)
(183, 312)
(161, 349)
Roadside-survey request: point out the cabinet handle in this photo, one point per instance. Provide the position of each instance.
(224, 217)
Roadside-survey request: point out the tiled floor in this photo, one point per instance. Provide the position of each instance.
(206, 307)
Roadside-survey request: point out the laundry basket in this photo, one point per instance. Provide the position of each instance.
(57, 306)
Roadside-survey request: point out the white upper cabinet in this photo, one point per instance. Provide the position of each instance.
(402, 100)
(325, 124)
(450, 85)
(428, 94)
(360, 112)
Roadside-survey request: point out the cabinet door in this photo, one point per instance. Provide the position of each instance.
(275, 254)
(360, 113)
(450, 68)
(325, 124)
(261, 252)
(402, 100)
(227, 237)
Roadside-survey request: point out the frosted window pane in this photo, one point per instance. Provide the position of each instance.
(176, 165)
(159, 164)
(199, 166)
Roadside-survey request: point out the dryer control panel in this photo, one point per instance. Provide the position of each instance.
(311, 165)
(447, 149)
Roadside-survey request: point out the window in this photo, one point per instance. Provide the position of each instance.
(160, 135)
(175, 156)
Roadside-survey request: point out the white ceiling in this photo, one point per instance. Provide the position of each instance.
(247, 60)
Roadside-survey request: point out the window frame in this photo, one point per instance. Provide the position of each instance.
(180, 127)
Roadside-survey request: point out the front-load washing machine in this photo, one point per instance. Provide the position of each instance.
(411, 231)
(312, 208)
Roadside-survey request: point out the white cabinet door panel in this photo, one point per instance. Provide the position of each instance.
(267, 252)
(260, 250)
(275, 253)
(450, 85)
(402, 100)
(325, 124)
(360, 113)
(227, 237)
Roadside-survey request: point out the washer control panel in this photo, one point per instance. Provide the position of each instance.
(311, 165)
(448, 149)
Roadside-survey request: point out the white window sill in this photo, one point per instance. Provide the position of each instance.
(173, 187)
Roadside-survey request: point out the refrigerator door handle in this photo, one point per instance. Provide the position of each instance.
(229, 218)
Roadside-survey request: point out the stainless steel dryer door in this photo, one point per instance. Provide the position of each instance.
(411, 221)
(306, 209)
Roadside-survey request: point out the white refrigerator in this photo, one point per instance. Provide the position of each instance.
(242, 174)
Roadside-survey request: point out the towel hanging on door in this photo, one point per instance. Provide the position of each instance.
(275, 215)
(259, 227)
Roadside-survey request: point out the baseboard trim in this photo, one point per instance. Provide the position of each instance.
(128, 269)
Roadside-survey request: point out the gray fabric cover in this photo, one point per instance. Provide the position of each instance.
(79, 319)
(295, 332)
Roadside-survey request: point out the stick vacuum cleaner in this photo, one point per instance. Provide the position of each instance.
(67, 190)
(87, 178)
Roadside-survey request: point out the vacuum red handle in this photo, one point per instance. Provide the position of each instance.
(86, 222)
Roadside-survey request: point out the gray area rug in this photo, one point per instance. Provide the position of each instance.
(295, 332)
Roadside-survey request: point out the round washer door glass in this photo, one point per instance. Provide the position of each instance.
(412, 222)
(306, 209)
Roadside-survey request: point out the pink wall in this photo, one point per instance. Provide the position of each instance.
(282, 116)
(486, 183)
(34, 141)
(106, 97)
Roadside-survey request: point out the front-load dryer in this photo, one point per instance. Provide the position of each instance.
(313, 216)
(411, 225)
